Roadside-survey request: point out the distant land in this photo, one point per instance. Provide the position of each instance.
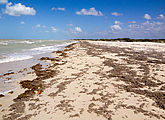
(128, 40)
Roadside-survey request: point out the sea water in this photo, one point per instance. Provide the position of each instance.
(16, 55)
(15, 50)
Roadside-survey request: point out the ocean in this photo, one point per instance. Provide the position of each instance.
(17, 55)
(15, 50)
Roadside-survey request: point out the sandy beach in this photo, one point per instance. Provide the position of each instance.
(92, 80)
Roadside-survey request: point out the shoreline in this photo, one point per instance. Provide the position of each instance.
(7, 98)
(90, 80)
(11, 71)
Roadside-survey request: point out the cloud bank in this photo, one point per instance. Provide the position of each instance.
(78, 29)
(91, 11)
(18, 10)
(115, 27)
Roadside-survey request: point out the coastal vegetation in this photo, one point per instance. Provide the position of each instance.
(128, 40)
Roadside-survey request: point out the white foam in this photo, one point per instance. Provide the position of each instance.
(28, 54)
(5, 92)
(22, 42)
(4, 43)
(28, 42)
(8, 81)
(44, 49)
(15, 58)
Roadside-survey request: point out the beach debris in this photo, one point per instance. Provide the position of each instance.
(36, 84)
(37, 67)
(61, 53)
(69, 47)
(75, 115)
(11, 92)
(24, 96)
(43, 73)
(48, 58)
(2, 95)
(39, 92)
(9, 73)
(33, 85)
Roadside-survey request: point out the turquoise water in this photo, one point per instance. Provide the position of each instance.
(15, 50)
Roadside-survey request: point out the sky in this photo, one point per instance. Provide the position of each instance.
(71, 19)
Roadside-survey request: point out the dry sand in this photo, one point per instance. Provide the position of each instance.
(93, 81)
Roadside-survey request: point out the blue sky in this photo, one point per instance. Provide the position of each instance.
(67, 19)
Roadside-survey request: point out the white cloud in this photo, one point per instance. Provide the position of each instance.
(115, 27)
(3, 1)
(117, 14)
(147, 26)
(117, 22)
(147, 16)
(22, 22)
(150, 29)
(18, 10)
(91, 11)
(53, 29)
(61, 9)
(161, 16)
(78, 29)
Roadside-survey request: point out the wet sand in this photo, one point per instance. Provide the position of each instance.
(10, 72)
(93, 80)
